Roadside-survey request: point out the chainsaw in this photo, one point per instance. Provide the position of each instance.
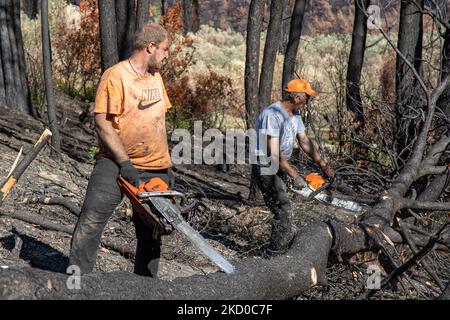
(155, 204)
(317, 188)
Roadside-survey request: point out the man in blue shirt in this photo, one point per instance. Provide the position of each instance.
(278, 126)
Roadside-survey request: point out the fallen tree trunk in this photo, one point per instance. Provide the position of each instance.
(278, 278)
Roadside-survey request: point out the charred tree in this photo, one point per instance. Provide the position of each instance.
(273, 40)
(191, 16)
(295, 33)
(14, 90)
(409, 95)
(31, 8)
(163, 7)
(142, 9)
(439, 183)
(444, 101)
(254, 27)
(356, 60)
(108, 34)
(47, 62)
(126, 27)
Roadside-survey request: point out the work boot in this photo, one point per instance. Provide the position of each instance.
(282, 239)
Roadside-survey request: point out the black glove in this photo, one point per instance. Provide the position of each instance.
(130, 173)
(299, 182)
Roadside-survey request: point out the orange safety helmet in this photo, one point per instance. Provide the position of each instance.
(300, 85)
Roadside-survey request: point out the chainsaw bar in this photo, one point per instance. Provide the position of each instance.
(172, 214)
(328, 199)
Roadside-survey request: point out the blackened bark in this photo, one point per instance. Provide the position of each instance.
(191, 16)
(163, 7)
(444, 100)
(31, 8)
(126, 27)
(282, 277)
(20, 98)
(22, 62)
(254, 26)
(8, 75)
(273, 40)
(14, 87)
(47, 61)
(108, 34)
(409, 93)
(356, 60)
(294, 41)
(142, 9)
(6, 187)
(255, 19)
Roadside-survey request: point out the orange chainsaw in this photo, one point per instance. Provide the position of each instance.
(155, 204)
(317, 188)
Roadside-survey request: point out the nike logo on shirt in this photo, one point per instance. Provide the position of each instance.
(143, 107)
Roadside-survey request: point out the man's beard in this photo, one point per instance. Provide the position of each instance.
(153, 64)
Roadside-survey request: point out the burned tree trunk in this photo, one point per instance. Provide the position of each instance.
(355, 61)
(444, 101)
(163, 7)
(126, 27)
(255, 279)
(108, 34)
(14, 90)
(409, 94)
(273, 40)
(47, 61)
(255, 19)
(142, 9)
(294, 41)
(31, 8)
(191, 16)
(252, 107)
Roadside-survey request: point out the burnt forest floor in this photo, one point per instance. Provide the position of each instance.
(234, 227)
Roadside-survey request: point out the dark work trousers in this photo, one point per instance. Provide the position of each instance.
(103, 195)
(274, 191)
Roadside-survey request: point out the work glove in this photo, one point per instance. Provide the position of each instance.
(328, 171)
(129, 173)
(299, 182)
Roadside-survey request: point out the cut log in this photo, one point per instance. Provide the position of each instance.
(21, 167)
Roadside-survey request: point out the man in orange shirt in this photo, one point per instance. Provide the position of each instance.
(130, 109)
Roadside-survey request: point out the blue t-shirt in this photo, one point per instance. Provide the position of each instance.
(275, 121)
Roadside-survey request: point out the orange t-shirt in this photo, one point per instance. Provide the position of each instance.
(139, 106)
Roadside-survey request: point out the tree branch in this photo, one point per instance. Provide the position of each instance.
(425, 205)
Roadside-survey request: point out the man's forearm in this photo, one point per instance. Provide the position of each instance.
(311, 151)
(315, 156)
(110, 139)
(273, 145)
(287, 168)
(114, 145)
